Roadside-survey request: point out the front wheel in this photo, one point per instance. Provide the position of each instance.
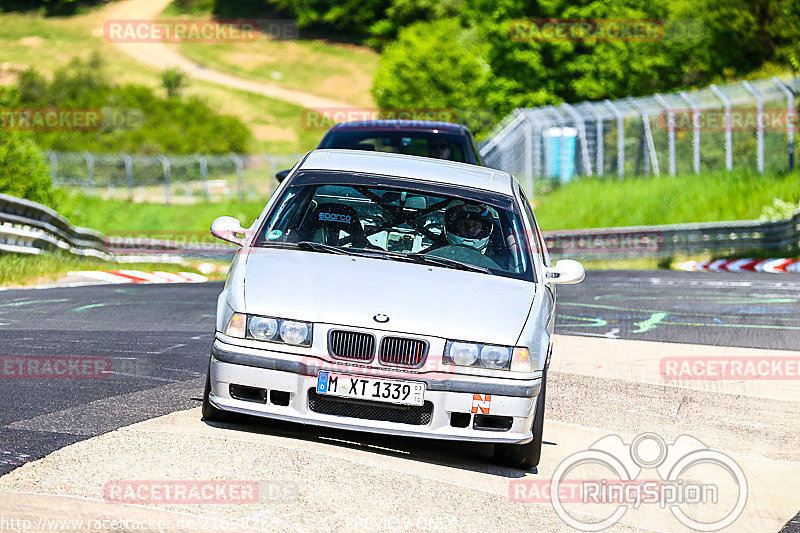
(211, 413)
(525, 456)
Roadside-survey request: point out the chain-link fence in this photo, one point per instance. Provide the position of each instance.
(742, 125)
(169, 179)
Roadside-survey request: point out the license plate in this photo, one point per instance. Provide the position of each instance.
(372, 389)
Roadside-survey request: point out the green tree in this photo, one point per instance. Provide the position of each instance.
(433, 66)
(23, 172)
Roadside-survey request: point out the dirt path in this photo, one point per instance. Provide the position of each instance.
(161, 56)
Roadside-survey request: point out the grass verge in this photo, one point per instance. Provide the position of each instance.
(18, 270)
(603, 203)
(126, 218)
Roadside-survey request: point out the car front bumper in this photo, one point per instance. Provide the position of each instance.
(512, 402)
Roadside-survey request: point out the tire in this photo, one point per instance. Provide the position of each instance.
(525, 456)
(211, 413)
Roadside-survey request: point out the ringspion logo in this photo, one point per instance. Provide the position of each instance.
(689, 477)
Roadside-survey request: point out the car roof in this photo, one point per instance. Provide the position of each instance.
(400, 125)
(411, 167)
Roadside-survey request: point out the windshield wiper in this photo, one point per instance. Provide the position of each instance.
(452, 263)
(433, 260)
(416, 257)
(325, 248)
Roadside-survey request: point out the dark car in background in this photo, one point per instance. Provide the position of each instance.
(440, 140)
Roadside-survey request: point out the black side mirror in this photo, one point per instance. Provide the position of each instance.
(281, 175)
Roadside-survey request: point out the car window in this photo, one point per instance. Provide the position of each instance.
(420, 143)
(401, 220)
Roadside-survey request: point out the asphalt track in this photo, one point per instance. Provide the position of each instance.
(158, 338)
(750, 310)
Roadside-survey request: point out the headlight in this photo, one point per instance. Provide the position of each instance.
(488, 356)
(262, 328)
(495, 356)
(270, 329)
(298, 333)
(462, 353)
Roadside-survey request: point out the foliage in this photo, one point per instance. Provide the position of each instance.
(417, 68)
(779, 210)
(700, 41)
(23, 172)
(173, 80)
(134, 118)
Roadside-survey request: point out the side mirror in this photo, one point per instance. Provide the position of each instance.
(281, 174)
(228, 229)
(565, 272)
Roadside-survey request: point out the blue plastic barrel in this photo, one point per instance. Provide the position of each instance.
(553, 137)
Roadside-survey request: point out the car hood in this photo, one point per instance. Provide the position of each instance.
(418, 299)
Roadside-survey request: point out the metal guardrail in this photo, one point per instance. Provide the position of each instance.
(162, 247)
(32, 228)
(28, 227)
(670, 240)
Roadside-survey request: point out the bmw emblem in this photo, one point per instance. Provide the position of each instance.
(381, 318)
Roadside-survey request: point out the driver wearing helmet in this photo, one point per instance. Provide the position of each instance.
(468, 225)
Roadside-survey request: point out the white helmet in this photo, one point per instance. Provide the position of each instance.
(468, 225)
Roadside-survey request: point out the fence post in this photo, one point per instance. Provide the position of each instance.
(528, 144)
(620, 138)
(789, 118)
(165, 166)
(695, 129)
(89, 168)
(648, 138)
(128, 173)
(239, 175)
(760, 121)
(204, 174)
(271, 165)
(51, 155)
(599, 143)
(581, 127)
(671, 131)
(548, 122)
(728, 126)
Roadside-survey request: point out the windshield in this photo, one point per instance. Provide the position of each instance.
(443, 226)
(421, 143)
